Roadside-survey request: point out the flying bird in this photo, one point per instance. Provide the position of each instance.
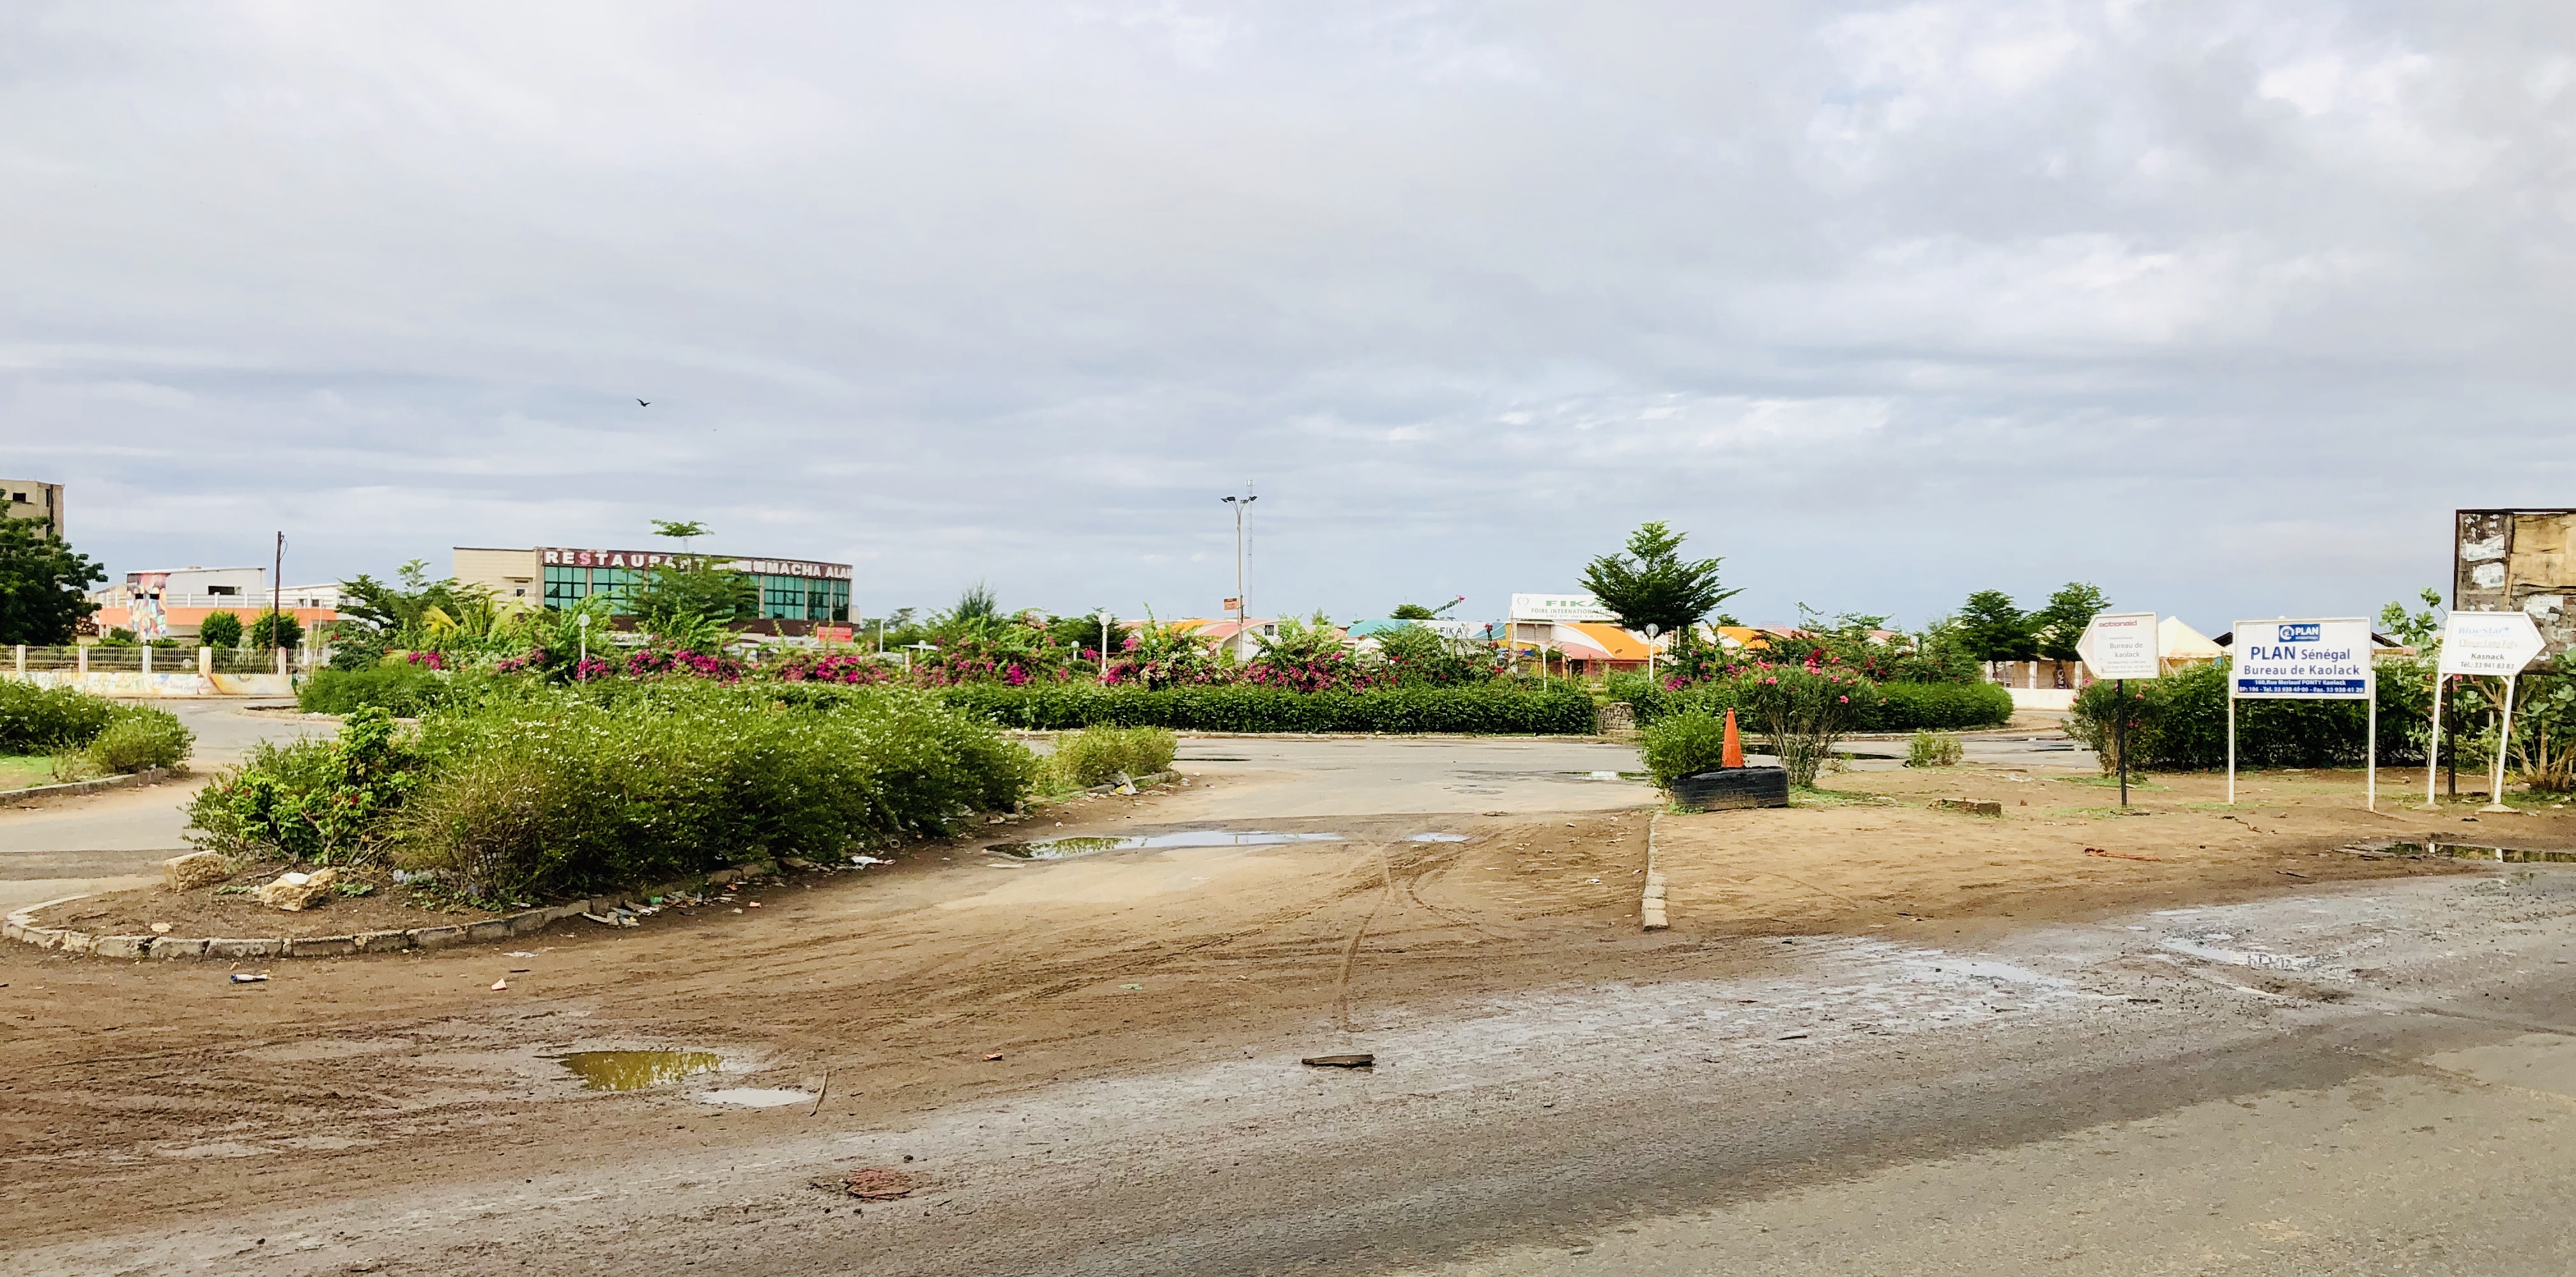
(642, 405)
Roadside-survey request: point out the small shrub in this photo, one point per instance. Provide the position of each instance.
(322, 801)
(1549, 709)
(1934, 749)
(1095, 755)
(1802, 711)
(220, 630)
(141, 737)
(37, 720)
(1684, 744)
(401, 689)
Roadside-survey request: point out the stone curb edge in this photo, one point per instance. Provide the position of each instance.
(20, 925)
(1650, 908)
(74, 789)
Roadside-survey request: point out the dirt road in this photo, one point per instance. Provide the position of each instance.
(1547, 1073)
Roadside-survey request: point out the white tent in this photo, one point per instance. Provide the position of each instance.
(2178, 645)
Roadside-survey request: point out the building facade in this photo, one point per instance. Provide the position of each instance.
(34, 499)
(170, 603)
(791, 590)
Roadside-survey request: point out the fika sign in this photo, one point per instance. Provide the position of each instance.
(2120, 646)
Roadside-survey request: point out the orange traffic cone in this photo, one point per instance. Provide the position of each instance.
(1734, 751)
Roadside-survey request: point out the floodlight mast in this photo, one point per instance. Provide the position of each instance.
(1240, 504)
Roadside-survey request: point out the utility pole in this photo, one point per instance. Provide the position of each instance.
(276, 594)
(1240, 504)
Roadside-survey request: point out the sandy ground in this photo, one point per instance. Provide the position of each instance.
(367, 1081)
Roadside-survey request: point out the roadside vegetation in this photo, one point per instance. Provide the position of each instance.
(85, 736)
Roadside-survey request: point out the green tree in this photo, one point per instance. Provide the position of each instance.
(1991, 626)
(1411, 612)
(2417, 630)
(220, 630)
(42, 585)
(681, 530)
(2060, 624)
(977, 603)
(275, 630)
(376, 614)
(690, 587)
(1653, 585)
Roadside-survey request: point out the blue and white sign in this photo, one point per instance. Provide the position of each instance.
(2301, 660)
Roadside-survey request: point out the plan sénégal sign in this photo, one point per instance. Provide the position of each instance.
(2306, 660)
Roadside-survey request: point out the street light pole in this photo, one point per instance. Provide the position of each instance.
(1240, 504)
(1104, 645)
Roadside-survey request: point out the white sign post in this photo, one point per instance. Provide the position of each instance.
(2315, 660)
(2482, 643)
(2119, 647)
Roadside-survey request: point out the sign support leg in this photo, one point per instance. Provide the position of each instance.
(2433, 752)
(2504, 741)
(2370, 747)
(2231, 747)
(2120, 737)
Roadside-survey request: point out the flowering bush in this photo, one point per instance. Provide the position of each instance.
(806, 667)
(1803, 709)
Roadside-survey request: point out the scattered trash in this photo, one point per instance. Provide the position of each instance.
(1789, 1037)
(877, 1184)
(636, 1070)
(160, 929)
(518, 953)
(2118, 856)
(1438, 838)
(995, 1056)
(1362, 1060)
(1064, 848)
(751, 904)
(502, 983)
(1131, 986)
(868, 860)
(245, 978)
(2287, 874)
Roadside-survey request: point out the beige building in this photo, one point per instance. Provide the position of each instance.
(791, 590)
(34, 499)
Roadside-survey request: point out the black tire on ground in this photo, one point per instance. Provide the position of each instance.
(1731, 788)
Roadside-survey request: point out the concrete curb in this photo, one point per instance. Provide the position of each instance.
(20, 925)
(74, 789)
(1650, 907)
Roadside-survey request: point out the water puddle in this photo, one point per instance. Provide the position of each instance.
(1058, 849)
(1438, 838)
(636, 1070)
(755, 1097)
(2199, 947)
(2474, 852)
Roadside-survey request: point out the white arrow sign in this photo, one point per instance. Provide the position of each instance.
(2489, 643)
(2120, 645)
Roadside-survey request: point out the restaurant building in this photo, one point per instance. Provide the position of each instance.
(791, 590)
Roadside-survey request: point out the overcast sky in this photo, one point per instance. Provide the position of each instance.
(2223, 306)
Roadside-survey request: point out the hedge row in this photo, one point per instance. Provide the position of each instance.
(2179, 723)
(1554, 709)
(1898, 707)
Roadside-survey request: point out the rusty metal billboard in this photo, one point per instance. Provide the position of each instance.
(2518, 561)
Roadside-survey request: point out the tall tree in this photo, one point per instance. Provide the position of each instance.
(2060, 624)
(42, 585)
(1992, 626)
(1653, 585)
(1411, 612)
(692, 589)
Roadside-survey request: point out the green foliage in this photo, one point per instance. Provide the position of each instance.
(311, 800)
(2418, 629)
(1897, 707)
(140, 737)
(2058, 626)
(1802, 711)
(401, 689)
(42, 585)
(1300, 644)
(1553, 708)
(220, 630)
(977, 603)
(1081, 633)
(572, 789)
(679, 530)
(1934, 749)
(1991, 626)
(383, 615)
(2179, 723)
(1097, 755)
(1652, 584)
(1684, 744)
(1411, 612)
(1419, 654)
(37, 720)
(275, 630)
(688, 592)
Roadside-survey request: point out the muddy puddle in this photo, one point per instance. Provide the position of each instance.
(1057, 849)
(1438, 838)
(2475, 852)
(636, 1070)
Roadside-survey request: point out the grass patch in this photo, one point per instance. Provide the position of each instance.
(1812, 797)
(2097, 813)
(25, 771)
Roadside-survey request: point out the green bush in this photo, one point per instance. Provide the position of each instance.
(1934, 749)
(1684, 744)
(1898, 707)
(571, 789)
(2179, 723)
(1552, 709)
(1095, 755)
(37, 720)
(310, 800)
(141, 737)
(405, 690)
(219, 630)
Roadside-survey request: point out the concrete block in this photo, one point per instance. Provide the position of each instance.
(167, 947)
(382, 942)
(12, 930)
(322, 947)
(438, 937)
(76, 942)
(1654, 891)
(493, 929)
(532, 920)
(228, 948)
(122, 946)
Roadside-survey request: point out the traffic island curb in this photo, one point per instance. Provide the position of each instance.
(20, 925)
(1650, 905)
(40, 794)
